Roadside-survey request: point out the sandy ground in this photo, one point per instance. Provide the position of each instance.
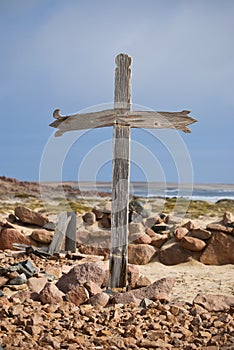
(193, 278)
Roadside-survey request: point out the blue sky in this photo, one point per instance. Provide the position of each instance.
(60, 54)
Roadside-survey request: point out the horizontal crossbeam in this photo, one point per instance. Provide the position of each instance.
(111, 117)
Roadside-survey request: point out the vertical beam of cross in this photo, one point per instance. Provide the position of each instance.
(120, 175)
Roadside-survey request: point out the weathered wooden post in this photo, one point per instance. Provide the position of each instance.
(120, 175)
(122, 118)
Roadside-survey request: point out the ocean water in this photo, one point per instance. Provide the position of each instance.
(197, 192)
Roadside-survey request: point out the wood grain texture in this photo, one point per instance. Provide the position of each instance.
(120, 176)
(134, 119)
(59, 234)
(70, 236)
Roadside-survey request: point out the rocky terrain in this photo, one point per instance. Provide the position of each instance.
(179, 293)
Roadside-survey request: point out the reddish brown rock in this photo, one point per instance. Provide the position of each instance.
(140, 238)
(3, 280)
(140, 254)
(199, 233)
(162, 286)
(36, 284)
(42, 236)
(95, 250)
(219, 250)
(189, 225)
(151, 221)
(80, 274)
(150, 232)
(78, 295)
(133, 275)
(50, 294)
(9, 236)
(136, 228)
(214, 302)
(193, 244)
(219, 228)
(89, 218)
(143, 281)
(100, 299)
(172, 253)
(158, 240)
(30, 217)
(92, 288)
(180, 232)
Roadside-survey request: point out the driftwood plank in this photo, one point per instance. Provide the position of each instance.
(134, 119)
(83, 121)
(70, 237)
(120, 177)
(59, 233)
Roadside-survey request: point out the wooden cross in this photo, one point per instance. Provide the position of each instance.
(122, 118)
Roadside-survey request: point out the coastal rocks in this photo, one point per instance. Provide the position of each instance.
(29, 216)
(42, 236)
(171, 253)
(219, 250)
(10, 236)
(140, 254)
(79, 275)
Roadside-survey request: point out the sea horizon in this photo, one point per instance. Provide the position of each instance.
(197, 191)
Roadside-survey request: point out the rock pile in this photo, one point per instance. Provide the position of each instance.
(169, 239)
(162, 236)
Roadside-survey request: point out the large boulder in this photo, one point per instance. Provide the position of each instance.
(29, 216)
(171, 253)
(81, 274)
(219, 250)
(140, 254)
(9, 236)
